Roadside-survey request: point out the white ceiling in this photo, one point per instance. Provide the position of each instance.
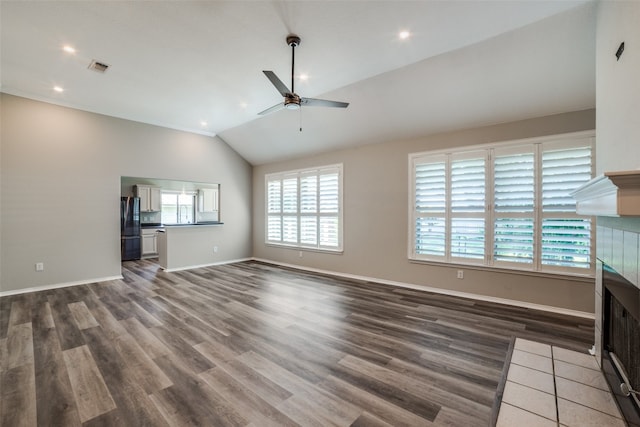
(178, 63)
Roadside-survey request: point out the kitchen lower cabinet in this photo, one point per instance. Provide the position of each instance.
(149, 243)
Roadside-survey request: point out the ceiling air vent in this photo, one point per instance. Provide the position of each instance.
(98, 66)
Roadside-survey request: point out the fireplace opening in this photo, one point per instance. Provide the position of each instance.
(621, 330)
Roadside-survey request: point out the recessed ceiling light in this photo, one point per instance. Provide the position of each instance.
(69, 49)
(58, 89)
(243, 105)
(203, 123)
(303, 77)
(403, 35)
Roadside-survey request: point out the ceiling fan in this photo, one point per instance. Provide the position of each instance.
(292, 101)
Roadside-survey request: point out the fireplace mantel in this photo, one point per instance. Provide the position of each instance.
(612, 194)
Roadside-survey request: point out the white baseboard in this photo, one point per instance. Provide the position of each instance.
(486, 298)
(524, 304)
(105, 279)
(191, 267)
(58, 285)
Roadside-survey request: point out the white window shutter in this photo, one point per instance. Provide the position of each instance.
(329, 192)
(309, 194)
(566, 242)
(303, 208)
(430, 207)
(290, 195)
(563, 171)
(430, 187)
(566, 237)
(513, 189)
(467, 227)
(514, 204)
(504, 205)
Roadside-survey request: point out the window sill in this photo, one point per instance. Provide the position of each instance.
(306, 249)
(585, 278)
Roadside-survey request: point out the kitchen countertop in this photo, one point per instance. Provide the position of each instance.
(195, 224)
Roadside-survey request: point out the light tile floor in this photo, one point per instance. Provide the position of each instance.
(551, 386)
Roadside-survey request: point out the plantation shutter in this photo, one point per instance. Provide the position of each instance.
(514, 201)
(506, 205)
(309, 194)
(309, 209)
(290, 210)
(329, 195)
(274, 210)
(303, 208)
(430, 206)
(566, 236)
(467, 227)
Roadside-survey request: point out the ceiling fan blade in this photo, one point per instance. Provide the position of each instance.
(313, 102)
(276, 107)
(284, 91)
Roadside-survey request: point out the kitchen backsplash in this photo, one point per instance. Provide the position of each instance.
(150, 217)
(156, 217)
(207, 216)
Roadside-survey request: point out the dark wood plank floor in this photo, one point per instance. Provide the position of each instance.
(255, 344)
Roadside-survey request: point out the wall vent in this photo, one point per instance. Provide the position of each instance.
(98, 66)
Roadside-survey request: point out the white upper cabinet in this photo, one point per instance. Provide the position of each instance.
(150, 198)
(208, 200)
(155, 202)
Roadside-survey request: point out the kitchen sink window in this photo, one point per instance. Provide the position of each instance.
(178, 207)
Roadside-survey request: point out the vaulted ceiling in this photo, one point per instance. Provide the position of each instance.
(181, 64)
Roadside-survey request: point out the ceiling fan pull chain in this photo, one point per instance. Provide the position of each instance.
(300, 119)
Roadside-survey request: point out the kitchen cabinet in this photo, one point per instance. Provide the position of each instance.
(150, 198)
(149, 242)
(208, 200)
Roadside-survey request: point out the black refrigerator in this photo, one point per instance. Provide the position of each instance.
(130, 228)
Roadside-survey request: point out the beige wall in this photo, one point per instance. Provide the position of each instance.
(60, 180)
(618, 86)
(376, 218)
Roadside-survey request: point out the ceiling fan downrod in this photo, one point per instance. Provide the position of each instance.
(293, 41)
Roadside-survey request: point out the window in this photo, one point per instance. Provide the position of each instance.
(504, 205)
(178, 208)
(304, 208)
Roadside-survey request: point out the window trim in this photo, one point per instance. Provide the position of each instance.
(536, 267)
(299, 173)
(177, 193)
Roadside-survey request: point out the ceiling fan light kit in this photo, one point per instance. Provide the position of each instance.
(292, 101)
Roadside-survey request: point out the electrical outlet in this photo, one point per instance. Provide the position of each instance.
(460, 274)
(39, 266)
(299, 254)
(215, 249)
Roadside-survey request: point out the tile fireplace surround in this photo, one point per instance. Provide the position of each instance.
(614, 198)
(617, 245)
